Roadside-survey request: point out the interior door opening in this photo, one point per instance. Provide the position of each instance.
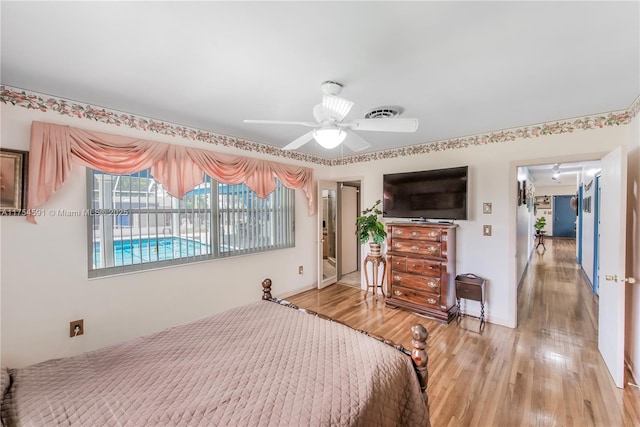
(328, 233)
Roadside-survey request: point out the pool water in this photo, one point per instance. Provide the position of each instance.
(137, 251)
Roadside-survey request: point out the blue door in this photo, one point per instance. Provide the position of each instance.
(580, 189)
(564, 217)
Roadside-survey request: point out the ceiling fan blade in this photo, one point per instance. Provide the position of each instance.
(383, 125)
(282, 122)
(355, 142)
(336, 107)
(299, 142)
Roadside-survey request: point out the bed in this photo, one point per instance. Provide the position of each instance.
(266, 363)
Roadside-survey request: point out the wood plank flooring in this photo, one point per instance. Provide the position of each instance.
(547, 372)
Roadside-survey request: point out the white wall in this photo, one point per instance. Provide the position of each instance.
(524, 229)
(43, 277)
(492, 178)
(44, 270)
(588, 226)
(632, 311)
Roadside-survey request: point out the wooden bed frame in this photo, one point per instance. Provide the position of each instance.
(419, 334)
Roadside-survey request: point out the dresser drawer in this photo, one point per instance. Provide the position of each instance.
(422, 283)
(398, 263)
(432, 268)
(421, 233)
(415, 265)
(416, 247)
(421, 266)
(415, 297)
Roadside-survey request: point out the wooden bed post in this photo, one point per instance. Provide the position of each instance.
(266, 289)
(419, 356)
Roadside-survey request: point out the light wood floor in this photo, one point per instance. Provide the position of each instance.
(547, 372)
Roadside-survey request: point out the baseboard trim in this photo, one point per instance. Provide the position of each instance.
(296, 291)
(586, 277)
(629, 367)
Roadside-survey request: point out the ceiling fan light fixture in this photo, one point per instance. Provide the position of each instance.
(329, 137)
(336, 107)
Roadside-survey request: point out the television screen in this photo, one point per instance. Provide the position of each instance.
(432, 194)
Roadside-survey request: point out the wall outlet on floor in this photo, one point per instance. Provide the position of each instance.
(76, 328)
(300, 269)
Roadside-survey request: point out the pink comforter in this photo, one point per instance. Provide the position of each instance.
(261, 364)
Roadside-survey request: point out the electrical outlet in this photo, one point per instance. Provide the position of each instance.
(76, 324)
(300, 269)
(486, 230)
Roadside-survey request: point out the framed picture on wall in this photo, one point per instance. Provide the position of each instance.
(543, 202)
(13, 181)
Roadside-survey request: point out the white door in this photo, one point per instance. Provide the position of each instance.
(349, 213)
(613, 205)
(328, 233)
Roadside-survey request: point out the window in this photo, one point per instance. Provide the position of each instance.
(134, 224)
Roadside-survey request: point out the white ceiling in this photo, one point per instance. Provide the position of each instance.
(461, 68)
(567, 173)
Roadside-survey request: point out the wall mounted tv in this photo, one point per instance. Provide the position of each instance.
(426, 195)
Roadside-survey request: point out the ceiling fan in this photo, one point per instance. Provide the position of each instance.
(330, 129)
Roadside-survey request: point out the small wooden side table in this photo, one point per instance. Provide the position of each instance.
(540, 236)
(375, 261)
(470, 286)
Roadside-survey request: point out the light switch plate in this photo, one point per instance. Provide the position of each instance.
(486, 230)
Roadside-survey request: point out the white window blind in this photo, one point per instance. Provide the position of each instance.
(134, 224)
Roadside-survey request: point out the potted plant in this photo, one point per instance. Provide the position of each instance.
(369, 229)
(539, 225)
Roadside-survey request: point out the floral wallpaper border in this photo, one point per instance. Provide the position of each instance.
(45, 103)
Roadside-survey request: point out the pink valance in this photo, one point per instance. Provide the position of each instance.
(179, 169)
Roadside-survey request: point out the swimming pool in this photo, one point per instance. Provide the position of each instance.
(137, 251)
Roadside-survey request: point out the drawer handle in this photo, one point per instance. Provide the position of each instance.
(432, 249)
(433, 234)
(397, 245)
(415, 234)
(432, 267)
(397, 278)
(430, 300)
(415, 248)
(414, 265)
(397, 293)
(397, 231)
(432, 284)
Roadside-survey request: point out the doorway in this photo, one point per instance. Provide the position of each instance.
(328, 233)
(611, 256)
(349, 247)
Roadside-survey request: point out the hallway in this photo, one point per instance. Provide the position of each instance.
(548, 371)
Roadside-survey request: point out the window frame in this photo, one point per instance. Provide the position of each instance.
(281, 214)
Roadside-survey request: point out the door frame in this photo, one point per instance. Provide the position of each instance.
(329, 280)
(340, 249)
(596, 232)
(512, 218)
(579, 214)
(512, 319)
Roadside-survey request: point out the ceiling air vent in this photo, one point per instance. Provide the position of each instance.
(382, 113)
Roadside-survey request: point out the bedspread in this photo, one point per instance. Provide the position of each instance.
(260, 364)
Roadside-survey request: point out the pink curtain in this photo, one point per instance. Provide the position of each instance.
(179, 169)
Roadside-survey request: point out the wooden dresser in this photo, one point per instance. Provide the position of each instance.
(421, 272)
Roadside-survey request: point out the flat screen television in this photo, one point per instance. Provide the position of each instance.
(426, 195)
